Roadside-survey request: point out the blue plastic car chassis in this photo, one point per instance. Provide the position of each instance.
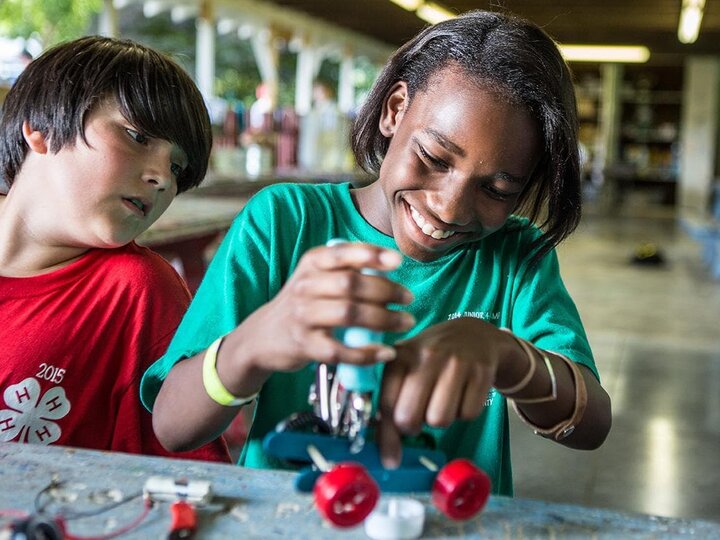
(412, 475)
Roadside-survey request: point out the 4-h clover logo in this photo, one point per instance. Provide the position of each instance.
(30, 416)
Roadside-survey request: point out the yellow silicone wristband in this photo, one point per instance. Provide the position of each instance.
(212, 383)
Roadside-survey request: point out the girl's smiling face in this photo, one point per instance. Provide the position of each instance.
(458, 159)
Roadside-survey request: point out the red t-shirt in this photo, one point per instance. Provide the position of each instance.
(74, 344)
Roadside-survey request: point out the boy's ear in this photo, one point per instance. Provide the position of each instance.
(393, 109)
(34, 139)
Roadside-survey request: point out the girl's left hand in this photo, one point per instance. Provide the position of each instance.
(440, 375)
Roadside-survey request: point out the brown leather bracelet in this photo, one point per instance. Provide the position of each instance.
(566, 427)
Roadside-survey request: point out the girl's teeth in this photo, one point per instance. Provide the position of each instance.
(427, 228)
(418, 218)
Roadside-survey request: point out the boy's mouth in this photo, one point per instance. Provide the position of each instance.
(142, 206)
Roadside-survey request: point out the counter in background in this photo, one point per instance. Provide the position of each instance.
(241, 184)
(196, 220)
(189, 227)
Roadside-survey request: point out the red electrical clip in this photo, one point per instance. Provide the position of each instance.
(184, 520)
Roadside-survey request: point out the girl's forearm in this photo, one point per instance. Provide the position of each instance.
(551, 375)
(594, 427)
(590, 431)
(184, 414)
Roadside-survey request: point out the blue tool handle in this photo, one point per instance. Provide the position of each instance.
(358, 378)
(353, 378)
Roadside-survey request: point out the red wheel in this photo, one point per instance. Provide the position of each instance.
(346, 494)
(461, 489)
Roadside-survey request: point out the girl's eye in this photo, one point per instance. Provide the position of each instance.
(176, 170)
(497, 194)
(432, 160)
(136, 136)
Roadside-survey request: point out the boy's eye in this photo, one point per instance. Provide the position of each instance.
(176, 170)
(136, 136)
(432, 160)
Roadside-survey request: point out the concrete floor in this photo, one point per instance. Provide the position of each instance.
(655, 332)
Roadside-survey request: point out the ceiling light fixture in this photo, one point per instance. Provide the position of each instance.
(634, 54)
(410, 5)
(427, 11)
(433, 13)
(691, 16)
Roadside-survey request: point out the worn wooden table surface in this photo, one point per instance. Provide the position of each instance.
(264, 504)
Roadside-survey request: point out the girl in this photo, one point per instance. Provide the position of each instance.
(471, 124)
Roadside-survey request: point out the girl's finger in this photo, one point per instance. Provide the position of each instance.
(363, 356)
(413, 396)
(390, 442)
(388, 433)
(321, 347)
(351, 284)
(474, 397)
(355, 255)
(447, 395)
(329, 314)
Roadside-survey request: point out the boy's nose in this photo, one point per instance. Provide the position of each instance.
(161, 181)
(157, 170)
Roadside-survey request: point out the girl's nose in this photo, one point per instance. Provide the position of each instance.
(454, 203)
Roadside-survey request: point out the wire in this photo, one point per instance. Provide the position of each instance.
(63, 516)
(12, 513)
(39, 509)
(90, 513)
(117, 532)
(67, 516)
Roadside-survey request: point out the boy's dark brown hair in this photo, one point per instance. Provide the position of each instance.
(57, 91)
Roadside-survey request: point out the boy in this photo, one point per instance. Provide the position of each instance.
(97, 136)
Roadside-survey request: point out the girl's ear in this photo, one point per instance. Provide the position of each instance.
(393, 109)
(34, 139)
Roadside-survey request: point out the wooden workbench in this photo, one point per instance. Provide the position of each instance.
(189, 227)
(264, 504)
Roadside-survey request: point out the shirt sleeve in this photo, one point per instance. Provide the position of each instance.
(160, 298)
(545, 314)
(238, 281)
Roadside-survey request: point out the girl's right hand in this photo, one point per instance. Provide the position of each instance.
(327, 290)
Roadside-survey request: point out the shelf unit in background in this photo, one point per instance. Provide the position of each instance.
(646, 138)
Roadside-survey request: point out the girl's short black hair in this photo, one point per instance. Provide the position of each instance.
(517, 60)
(56, 91)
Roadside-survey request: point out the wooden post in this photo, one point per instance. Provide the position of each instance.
(205, 49)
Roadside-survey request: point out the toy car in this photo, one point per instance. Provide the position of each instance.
(347, 485)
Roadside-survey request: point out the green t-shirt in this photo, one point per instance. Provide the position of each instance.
(488, 280)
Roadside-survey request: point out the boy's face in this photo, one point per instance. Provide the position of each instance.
(458, 159)
(107, 192)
